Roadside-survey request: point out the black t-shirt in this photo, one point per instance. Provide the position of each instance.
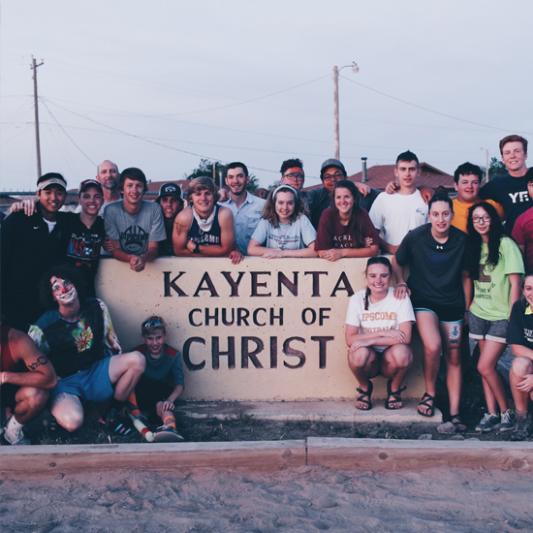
(83, 248)
(520, 329)
(511, 193)
(435, 269)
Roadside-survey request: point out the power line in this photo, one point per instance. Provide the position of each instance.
(429, 110)
(248, 101)
(67, 134)
(152, 141)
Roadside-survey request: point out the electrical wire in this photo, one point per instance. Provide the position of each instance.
(429, 110)
(67, 135)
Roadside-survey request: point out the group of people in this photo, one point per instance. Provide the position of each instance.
(462, 255)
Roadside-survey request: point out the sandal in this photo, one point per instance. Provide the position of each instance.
(458, 424)
(364, 397)
(426, 401)
(394, 398)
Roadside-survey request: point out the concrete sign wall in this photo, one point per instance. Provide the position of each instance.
(260, 330)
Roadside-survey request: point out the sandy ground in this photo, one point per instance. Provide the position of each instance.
(304, 499)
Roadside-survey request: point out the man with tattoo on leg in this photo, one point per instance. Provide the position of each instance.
(25, 376)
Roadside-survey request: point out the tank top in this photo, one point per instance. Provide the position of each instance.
(205, 237)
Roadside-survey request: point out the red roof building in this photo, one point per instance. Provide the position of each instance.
(379, 175)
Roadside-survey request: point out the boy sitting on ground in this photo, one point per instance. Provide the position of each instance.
(162, 382)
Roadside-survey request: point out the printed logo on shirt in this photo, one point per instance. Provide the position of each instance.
(134, 240)
(378, 315)
(85, 246)
(528, 334)
(519, 197)
(83, 337)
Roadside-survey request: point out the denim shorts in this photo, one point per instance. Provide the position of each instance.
(491, 330)
(92, 384)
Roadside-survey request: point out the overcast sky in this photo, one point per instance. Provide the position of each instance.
(160, 84)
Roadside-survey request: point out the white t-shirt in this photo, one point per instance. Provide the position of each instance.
(299, 234)
(384, 315)
(394, 215)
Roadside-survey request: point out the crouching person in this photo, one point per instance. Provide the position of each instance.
(378, 333)
(25, 377)
(78, 336)
(162, 382)
(520, 337)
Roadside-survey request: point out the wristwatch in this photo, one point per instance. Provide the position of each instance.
(196, 248)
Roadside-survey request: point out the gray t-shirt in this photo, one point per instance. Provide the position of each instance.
(134, 232)
(299, 234)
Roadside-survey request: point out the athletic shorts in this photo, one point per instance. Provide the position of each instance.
(149, 392)
(92, 385)
(445, 313)
(492, 330)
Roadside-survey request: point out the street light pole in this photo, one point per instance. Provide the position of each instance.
(336, 123)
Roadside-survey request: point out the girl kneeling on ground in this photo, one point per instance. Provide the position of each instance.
(494, 267)
(284, 230)
(378, 333)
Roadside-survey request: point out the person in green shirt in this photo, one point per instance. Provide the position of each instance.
(494, 269)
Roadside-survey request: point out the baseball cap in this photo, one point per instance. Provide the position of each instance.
(169, 189)
(332, 163)
(91, 182)
(51, 178)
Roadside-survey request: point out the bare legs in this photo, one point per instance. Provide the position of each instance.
(489, 353)
(435, 336)
(364, 363)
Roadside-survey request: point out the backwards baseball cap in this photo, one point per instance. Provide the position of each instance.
(91, 182)
(169, 189)
(332, 163)
(51, 178)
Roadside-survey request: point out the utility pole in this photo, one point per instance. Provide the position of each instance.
(33, 67)
(336, 125)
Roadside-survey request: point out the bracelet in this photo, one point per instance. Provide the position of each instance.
(403, 284)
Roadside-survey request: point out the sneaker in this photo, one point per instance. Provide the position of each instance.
(13, 433)
(508, 421)
(489, 422)
(168, 429)
(521, 428)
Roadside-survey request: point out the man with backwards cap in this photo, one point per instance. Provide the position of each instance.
(171, 204)
(332, 171)
(29, 247)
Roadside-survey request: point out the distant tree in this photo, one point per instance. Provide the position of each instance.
(496, 167)
(205, 168)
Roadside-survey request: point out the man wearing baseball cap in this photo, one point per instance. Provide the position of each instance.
(171, 204)
(332, 171)
(30, 245)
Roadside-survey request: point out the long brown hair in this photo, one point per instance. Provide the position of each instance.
(269, 210)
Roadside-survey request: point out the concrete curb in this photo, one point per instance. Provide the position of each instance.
(344, 453)
(396, 455)
(59, 459)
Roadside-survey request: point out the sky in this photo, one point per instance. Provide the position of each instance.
(162, 84)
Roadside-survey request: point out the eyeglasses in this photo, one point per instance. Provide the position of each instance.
(295, 175)
(335, 176)
(478, 220)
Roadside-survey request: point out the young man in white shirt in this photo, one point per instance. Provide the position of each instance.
(394, 215)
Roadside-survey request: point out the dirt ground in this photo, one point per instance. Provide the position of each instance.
(303, 499)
